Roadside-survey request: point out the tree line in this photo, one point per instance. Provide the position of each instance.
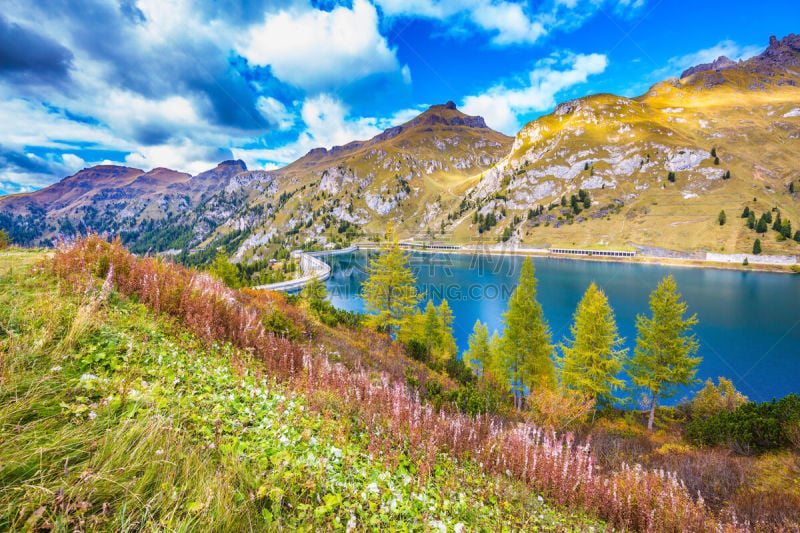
(523, 359)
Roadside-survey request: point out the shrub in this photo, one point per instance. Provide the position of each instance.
(712, 400)
(4, 239)
(750, 428)
(418, 350)
(459, 371)
(474, 401)
(279, 324)
(559, 409)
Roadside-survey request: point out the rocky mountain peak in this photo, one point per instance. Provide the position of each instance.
(784, 52)
(721, 63)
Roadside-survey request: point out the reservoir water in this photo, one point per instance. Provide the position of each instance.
(749, 323)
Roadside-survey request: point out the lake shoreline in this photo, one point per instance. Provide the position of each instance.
(639, 259)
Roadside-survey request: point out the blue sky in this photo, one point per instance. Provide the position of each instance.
(187, 83)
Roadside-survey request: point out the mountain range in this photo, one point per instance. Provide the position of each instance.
(599, 171)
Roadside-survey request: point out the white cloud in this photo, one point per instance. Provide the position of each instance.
(510, 23)
(501, 105)
(316, 49)
(728, 48)
(184, 156)
(32, 124)
(507, 20)
(328, 123)
(274, 111)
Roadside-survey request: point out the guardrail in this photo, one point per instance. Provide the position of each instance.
(311, 267)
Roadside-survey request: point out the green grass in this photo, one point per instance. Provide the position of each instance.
(114, 419)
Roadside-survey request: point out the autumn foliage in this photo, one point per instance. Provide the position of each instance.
(391, 412)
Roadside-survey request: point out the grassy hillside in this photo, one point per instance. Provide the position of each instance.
(731, 138)
(117, 419)
(136, 394)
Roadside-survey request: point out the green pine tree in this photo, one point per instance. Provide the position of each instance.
(526, 348)
(751, 220)
(431, 328)
(797, 235)
(762, 226)
(448, 342)
(389, 290)
(776, 226)
(664, 359)
(721, 218)
(746, 212)
(479, 353)
(315, 291)
(224, 270)
(757, 247)
(791, 187)
(594, 358)
(786, 229)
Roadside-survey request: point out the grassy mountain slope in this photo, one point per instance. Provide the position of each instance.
(622, 150)
(403, 176)
(117, 419)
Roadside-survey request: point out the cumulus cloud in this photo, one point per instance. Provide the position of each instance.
(316, 49)
(501, 105)
(328, 123)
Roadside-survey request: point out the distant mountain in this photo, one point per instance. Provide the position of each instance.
(109, 198)
(655, 170)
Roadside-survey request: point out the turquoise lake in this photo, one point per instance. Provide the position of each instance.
(749, 329)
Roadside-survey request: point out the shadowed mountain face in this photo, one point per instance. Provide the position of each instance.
(658, 170)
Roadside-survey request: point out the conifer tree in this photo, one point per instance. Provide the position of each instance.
(791, 187)
(761, 227)
(389, 290)
(751, 220)
(757, 247)
(479, 353)
(786, 229)
(431, 328)
(721, 218)
(776, 226)
(315, 291)
(526, 348)
(594, 358)
(797, 235)
(664, 359)
(746, 212)
(225, 270)
(448, 342)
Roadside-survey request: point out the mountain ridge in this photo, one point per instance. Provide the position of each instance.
(442, 172)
